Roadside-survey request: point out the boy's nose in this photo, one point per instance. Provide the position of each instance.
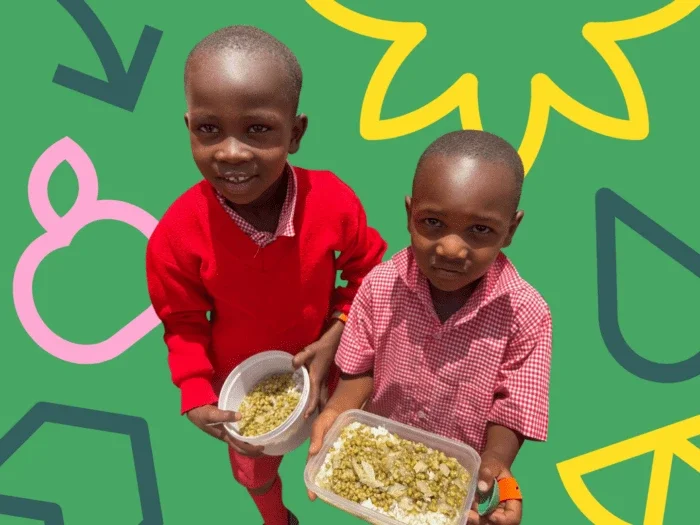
(452, 247)
(233, 151)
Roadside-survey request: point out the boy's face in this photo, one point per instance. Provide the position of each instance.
(242, 126)
(460, 216)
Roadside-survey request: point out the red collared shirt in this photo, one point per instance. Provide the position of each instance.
(490, 362)
(285, 226)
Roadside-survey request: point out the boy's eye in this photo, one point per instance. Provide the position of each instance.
(208, 128)
(258, 128)
(433, 223)
(481, 229)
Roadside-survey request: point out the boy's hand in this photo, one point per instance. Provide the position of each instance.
(204, 416)
(508, 512)
(318, 357)
(318, 431)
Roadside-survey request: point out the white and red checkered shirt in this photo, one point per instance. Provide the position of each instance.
(490, 362)
(285, 226)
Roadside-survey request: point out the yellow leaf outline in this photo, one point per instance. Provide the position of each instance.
(545, 93)
(664, 442)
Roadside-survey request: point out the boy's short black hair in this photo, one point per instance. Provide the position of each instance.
(479, 145)
(251, 39)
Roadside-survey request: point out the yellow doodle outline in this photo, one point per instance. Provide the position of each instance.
(664, 442)
(545, 93)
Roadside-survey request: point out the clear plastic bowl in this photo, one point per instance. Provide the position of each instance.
(290, 434)
(464, 454)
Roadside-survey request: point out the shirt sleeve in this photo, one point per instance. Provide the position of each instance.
(181, 302)
(362, 250)
(355, 353)
(521, 398)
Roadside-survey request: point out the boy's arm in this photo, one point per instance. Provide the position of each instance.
(521, 399)
(355, 359)
(181, 302)
(502, 446)
(352, 392)
(362, 248)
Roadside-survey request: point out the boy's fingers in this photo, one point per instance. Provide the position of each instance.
(473, 518)
(317, 433)
(241, 448)
(213, 432)
(513, 512)
(314, 446)
(313, 399)
(487, 475)
(486, 480)
(222, 416)
(510, 514)
(323, 397)
(303, 356)
(312, 496)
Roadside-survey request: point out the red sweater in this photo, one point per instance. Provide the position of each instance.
(278, 297)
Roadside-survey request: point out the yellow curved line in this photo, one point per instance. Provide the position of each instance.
(604, 38)
(405, 37)
(545, 94)
(664, 442)
(585, 501)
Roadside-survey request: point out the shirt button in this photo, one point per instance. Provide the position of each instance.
(437, 335)
(421, 415)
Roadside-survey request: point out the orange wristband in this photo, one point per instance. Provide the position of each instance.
(502, 490)
(341, 317)
(508, 488)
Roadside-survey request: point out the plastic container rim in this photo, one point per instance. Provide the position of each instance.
(316, 462)
(268, 437)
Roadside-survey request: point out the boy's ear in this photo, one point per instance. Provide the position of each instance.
(517, 219)
(301, 122)
(407, 203)
(187, 120)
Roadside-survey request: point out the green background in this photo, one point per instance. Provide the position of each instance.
(89, 290)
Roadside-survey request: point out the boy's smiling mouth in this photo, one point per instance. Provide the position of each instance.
(237, 179)
(236, 183)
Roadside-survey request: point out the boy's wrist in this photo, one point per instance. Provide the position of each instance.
(340, 316)
(502, 444)
(496, 457)
(339, 405)
(334, 332)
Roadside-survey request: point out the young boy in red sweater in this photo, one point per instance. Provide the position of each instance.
(254, 244)
(446, 336)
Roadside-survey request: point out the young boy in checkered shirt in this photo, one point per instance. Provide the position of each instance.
(446, 336)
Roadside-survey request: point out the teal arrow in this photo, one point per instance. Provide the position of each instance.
(123, 87)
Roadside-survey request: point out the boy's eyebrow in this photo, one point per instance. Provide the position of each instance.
(476, 216)
(431, 209)
(486, 218)
(261, 114)
(253, 114)
(203, 116)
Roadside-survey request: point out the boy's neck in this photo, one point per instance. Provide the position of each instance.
(447, 304)
(264, 213)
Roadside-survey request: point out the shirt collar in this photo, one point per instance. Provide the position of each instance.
(491, 286)
(285, 225)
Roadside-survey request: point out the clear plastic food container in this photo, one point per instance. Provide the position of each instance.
(464, 454)
(295, 430)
